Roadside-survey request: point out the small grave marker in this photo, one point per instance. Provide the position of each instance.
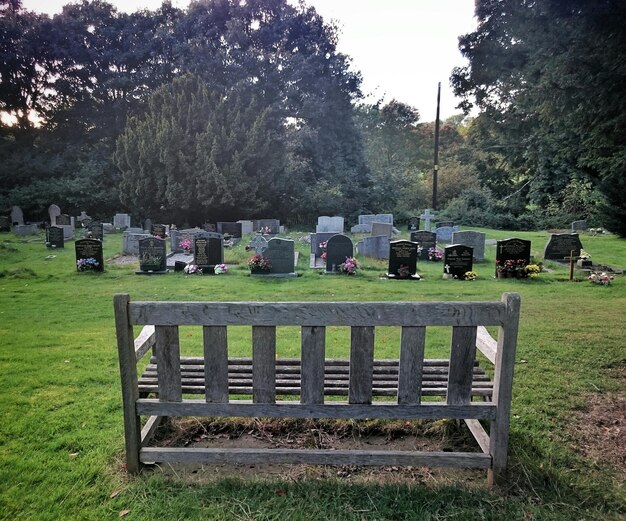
(89, 251)
(338, 248)
(152, 256)
(457, 261)
(425, 241)
(413, 224)
(55, 237)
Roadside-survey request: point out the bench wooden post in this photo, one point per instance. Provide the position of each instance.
(503, 386)
(128, 374)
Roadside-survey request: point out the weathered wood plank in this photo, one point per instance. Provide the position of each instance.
(479, 433)
(503, 384)
(167, 353)
(149, 429)
(361, 364)
(412, 343)
(144, 342)
(216, 363)
(318, 313)
(264, 364)
(128, 376)
(316, 457)
(312, 352)
(462, 356)
(290, 409)
(487, 345)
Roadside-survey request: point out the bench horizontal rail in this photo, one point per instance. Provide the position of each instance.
(287, 409)
(317, 313)
(313, 456)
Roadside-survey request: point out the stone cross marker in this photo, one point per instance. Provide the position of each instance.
(258, 244)
(427, 217)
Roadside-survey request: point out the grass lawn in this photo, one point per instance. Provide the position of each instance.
(61, 439)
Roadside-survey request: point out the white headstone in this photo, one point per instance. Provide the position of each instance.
(53, 211)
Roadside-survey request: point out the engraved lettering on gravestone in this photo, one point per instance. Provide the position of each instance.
(425, 241)
(458, 260)
(561, 245)
(90, 248)
(152, 254)
(402, 259)
(55, 238)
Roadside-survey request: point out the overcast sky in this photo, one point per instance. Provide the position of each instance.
(403, 48)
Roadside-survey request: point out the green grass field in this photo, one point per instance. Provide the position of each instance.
(61, 434)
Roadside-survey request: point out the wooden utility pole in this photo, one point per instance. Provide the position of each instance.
(436, 167)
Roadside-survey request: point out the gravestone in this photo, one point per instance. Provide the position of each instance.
(159, 230)
(512, 249)
(25, 229)
(374, 247)
(425, 240)
(337, 249)
(130, 242)
(121, 220)
(209, 227)
(366, 221)
(402, 260)
(147, 225)
(382, 229)
(561, 245)
(84, 219)
(247, 227)
(361, 228)
(208, 251)
(63, 220)
(281, 253)
(457, 260)
(89, 249)
(474, 239)
(272, 225)
(230, 228)
(5, 224)
(317, 239)
(444, 233)
(96, 229)
(152, 256)
(427, 216)
(17, 216)
(579, 226)
(54, 237)
(258, 244)
(176, 236)
(443, 224)
(53, 212)
(326, 224)
(413, 224)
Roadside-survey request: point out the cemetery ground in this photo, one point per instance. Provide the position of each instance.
(61, 434)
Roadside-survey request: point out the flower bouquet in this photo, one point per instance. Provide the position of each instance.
(349, 266)
(192, 268)
(470, 275)
(185, 244)
(220, 269)
(602, 279)
(259, 264)
(88, 264)
(434, 254)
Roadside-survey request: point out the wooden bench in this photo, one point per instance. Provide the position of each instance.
(375, 389)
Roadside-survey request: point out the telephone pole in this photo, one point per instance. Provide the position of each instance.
(436, 162)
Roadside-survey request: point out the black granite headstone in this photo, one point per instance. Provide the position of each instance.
(96, 229)
(159, 230)
(89, 255)
(425, 240)
(458, 259)
(230, 228)
(152, 255)
(561, 245)
(208, 252)
(64, 220)
(402, 260)
(54, 237)
(512, 249)
(338, 248)
(413, 224)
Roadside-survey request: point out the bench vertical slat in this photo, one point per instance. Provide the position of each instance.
(361, 364)
(312, 356)
(462, 356)
(503, 385)
(215, 364)
(167, 353)
(263, 364)
(411, 364)
(128, 375)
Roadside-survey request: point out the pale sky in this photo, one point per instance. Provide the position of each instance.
(403, 48)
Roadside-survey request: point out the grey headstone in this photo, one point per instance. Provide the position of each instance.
(444, 233)
(246, 227)
(176, 236)
(54, 237)
(474, 239)
(337, 249)
(376, 218)
(561, 245)
(361, 228)
(121, 220)
(382, 229)
(442, 224)
(96, 229)
(317, 239)
(147, 225)
(281, 253)
(130, 242)
(326, 224)
(258, 244)
(425, 241)
(25, 229)
(579, 226)
(402, 259)
(457, 260)
(17, 216)
(87, 249)
(152, 255)
(273, 225)
(374, 247)
(53, 212)
(63, 220)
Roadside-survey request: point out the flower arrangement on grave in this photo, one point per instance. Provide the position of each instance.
(322, 246)
(584, 255)
(88, 264)
(185, 244)
(259, 263)
(265, 230)
(506, 268)
(602, 279)
(532, 270)
(470, 275)
(349, 266)
(404, 272)
(435, 254)
(220, 269)
(519, 269)
(192, 268)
